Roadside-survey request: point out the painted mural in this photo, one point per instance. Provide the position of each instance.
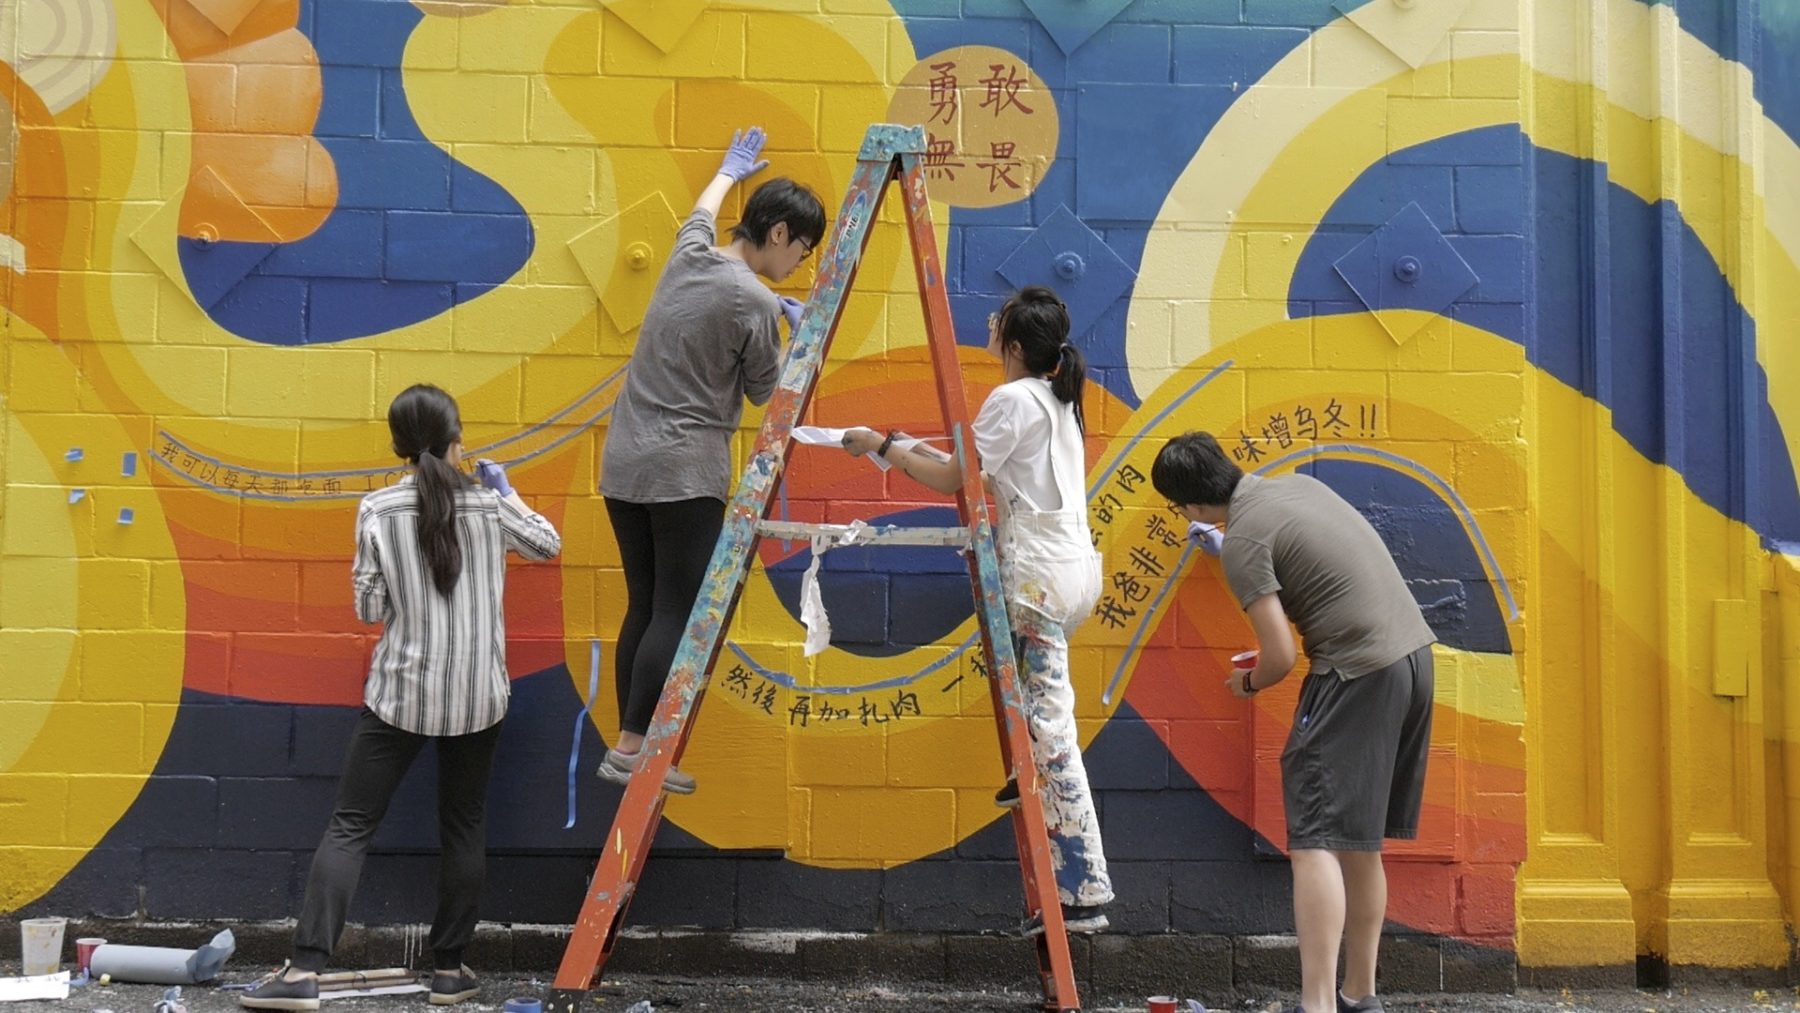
(1492, 269)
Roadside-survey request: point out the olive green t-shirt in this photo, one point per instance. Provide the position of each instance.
(1294, 537)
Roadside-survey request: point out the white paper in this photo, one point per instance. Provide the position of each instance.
(350, 993)
(819, 436)
(37, 986)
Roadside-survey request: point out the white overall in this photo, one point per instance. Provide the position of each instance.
(1051, 575)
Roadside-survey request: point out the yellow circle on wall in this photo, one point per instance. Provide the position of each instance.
(991, 124)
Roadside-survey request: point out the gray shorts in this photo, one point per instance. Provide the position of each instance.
(1353, 771)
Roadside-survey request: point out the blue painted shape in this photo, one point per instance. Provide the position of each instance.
(384, 166)
(1618, 361)
(344, 306)
(1073, 22)
(1118, 54)
(1490, 198)
(1065, 255)
(390, 174)
(1184, 12)
(1430, 546)
(276, 306)
(127, 515)
(361, 33)
(216, 268)
(348, 247)
(1372, 268)
(1301, 13)
(1133, 140)
(1229, 56)
(1499, 145)
(355, 106)
(76, 496)
(74, 454)
(128, 464)
(1500, 263)
(1777, 82)
(984, 249)
(449, 247)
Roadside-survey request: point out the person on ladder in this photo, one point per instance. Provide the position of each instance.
(709, 341)
(1029, 438)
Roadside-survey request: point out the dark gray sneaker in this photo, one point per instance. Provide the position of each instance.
(1367, 1004)
(451, 987)
(287, 989)
(1008, 797)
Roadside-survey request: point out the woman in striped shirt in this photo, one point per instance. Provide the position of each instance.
(430, 566)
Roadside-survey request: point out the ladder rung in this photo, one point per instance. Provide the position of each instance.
(884, 534)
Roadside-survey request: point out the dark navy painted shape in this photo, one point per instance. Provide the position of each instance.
(1065, 255)
(1406, 264)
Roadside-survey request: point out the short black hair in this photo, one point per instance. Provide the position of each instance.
(1193, 470)
(782, 200)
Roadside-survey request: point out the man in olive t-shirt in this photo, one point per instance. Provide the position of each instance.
(1353, 771)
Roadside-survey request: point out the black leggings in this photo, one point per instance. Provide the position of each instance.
(665, 548)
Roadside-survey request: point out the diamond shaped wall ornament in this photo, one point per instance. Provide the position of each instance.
(663, 22)
(623, 257)
(225, 15)
(1406, 264)
(1073, 22)
(1410, 29)
(1065, 255)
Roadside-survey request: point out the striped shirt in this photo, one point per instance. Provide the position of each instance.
(440, 668)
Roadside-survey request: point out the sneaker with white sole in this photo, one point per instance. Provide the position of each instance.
(451, 987)
(1367, 1004)
(289, 988)
(618, 767)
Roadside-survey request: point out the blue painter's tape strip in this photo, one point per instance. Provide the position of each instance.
(581, 719)
(127, 515)
(76, 496)
(73, 454)
(128, 464)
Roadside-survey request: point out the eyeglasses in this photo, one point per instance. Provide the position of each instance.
(994, 321)
(807, 246)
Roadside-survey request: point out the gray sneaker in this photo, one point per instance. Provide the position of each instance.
(287, 989)
(618, 768)
(1367, 1004)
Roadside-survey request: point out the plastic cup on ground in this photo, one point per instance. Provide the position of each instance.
(1246, 659)
(41, 945)
(1162, 1004)
(84, 951)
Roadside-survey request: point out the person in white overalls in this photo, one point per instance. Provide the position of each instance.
(1029, 438)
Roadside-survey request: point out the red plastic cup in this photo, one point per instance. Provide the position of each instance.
(1247, 659)
(84, 951)
(1162, 1004)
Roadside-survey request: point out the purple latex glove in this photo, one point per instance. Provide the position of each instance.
(741, 155)
(791, 308)
(1209, 539)
(492, 475)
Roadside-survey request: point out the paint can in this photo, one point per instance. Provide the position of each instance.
(41, 945)
(524, 1004)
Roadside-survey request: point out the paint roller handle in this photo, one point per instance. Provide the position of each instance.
(492, 475)
(741, 155)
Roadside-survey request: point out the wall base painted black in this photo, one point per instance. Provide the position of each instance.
(1107, 965)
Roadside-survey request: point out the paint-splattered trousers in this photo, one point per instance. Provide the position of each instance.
(1042, 647)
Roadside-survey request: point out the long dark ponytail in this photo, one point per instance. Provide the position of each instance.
(424, 422)
(1037, 321)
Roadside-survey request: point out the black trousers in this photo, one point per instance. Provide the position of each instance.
(378, 758)
(665, 548)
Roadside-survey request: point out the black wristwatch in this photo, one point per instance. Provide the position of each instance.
(1249, 690)
(882, 450)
